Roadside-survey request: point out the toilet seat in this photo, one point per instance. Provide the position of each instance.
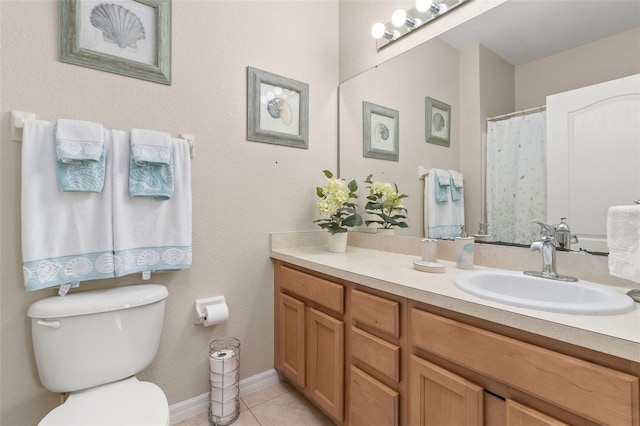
(126, 402)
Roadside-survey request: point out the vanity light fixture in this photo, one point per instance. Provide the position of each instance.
(408, 21)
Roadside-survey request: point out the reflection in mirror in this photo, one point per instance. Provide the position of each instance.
(508, 59)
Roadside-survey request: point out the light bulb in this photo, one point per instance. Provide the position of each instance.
(378, 30)
(423, 5)
(399, 18)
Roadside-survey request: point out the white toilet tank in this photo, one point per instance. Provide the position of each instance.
(95, 337)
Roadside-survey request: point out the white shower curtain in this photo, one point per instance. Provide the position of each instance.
(516, 177)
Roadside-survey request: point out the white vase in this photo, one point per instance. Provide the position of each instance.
(384, 231)
(337, 242)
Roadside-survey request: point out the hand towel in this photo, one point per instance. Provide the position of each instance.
(66, 236)
(80, 155)
(623, 239)
(148, 235)
(456, 185)
(151, 165)
(442, 220)
(442, 180)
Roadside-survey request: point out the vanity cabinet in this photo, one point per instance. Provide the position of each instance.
(372, 358)
(456, 365)
(309, 336)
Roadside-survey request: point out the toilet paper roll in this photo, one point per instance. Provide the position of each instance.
(215, 314)
(225, 409)
(223, 361)
(223, 380)
(224, 394)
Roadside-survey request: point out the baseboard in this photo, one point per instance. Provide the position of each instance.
(200, 404)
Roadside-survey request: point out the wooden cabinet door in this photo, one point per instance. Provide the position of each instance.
(289, 339)
(441, 398)
(325, 346)
(371, 402)
(520, 415)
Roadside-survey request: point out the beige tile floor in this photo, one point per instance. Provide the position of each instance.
(276, 405)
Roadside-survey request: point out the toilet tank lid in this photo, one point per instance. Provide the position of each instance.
(97, 301)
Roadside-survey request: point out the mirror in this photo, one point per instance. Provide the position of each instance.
(508, 59)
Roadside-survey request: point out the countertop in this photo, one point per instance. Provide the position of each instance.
(617, 335)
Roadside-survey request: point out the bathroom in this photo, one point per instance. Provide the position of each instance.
(242, 190)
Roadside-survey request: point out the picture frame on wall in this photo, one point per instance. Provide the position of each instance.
(277, 109)
(127, 37)
(438, 122)
(380, 129)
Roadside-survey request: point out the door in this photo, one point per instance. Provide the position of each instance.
(290, 342)
(593, 156)
(438, 397)
(520, 415)
(325, 347)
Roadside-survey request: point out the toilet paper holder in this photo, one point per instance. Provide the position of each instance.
(201, 304)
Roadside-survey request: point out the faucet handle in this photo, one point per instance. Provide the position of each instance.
(546, 232)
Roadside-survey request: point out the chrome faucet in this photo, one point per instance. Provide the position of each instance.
(548, 249)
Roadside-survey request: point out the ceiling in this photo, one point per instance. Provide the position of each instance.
(522, 31)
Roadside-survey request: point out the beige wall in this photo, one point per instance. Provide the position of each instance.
(242, 190)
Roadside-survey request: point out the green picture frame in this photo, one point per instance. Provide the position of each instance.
(91, 37)
(380, 132)
(277, 109)
(437, 122)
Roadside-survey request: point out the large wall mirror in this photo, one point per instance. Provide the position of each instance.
(508, 59)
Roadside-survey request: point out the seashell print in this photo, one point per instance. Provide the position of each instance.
(381, 132)
(47, 271)
(118, 24)
(279, 108)
(148, 257)
(83, 175)
(189, 256)
(78, 266)
(172, 256)
(69, 147)
(105, 263)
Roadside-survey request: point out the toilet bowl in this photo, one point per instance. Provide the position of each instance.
(128, 402)
(91, 344)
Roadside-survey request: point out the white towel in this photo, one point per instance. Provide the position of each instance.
(623, 239)
(151, 165)
(66, 236)
(442, 219)
(150, 235)
(456, 185)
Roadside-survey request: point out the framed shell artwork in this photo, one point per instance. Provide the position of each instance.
(438, 122)
(380, 132)
(277, 109)
(128, 37)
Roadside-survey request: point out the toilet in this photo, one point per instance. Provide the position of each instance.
(91, 344)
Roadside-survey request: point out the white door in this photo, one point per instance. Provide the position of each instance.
(593, 156)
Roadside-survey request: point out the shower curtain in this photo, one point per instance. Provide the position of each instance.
(516, 177)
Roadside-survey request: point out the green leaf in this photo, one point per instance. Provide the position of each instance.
(328, 174)
(353, 186)
(319, 192)
(402, 225)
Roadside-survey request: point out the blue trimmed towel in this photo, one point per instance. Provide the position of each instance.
(151, 165)
(456, 185)
(80, 156)
(442, 181)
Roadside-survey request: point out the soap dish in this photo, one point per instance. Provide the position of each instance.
(433, 267)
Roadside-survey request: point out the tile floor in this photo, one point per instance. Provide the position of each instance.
(276, 405)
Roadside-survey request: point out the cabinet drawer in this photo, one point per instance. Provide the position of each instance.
(378, 313)
(372, 403)
(378, 354)
(312, 288)
(598, 393)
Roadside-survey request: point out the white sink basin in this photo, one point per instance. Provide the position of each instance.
(517, 289)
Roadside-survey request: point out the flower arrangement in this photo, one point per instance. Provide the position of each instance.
(385, 202)
(336, 202)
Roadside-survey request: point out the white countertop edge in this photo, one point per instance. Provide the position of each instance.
(563, 327)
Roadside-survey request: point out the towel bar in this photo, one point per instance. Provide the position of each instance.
(18, 119)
